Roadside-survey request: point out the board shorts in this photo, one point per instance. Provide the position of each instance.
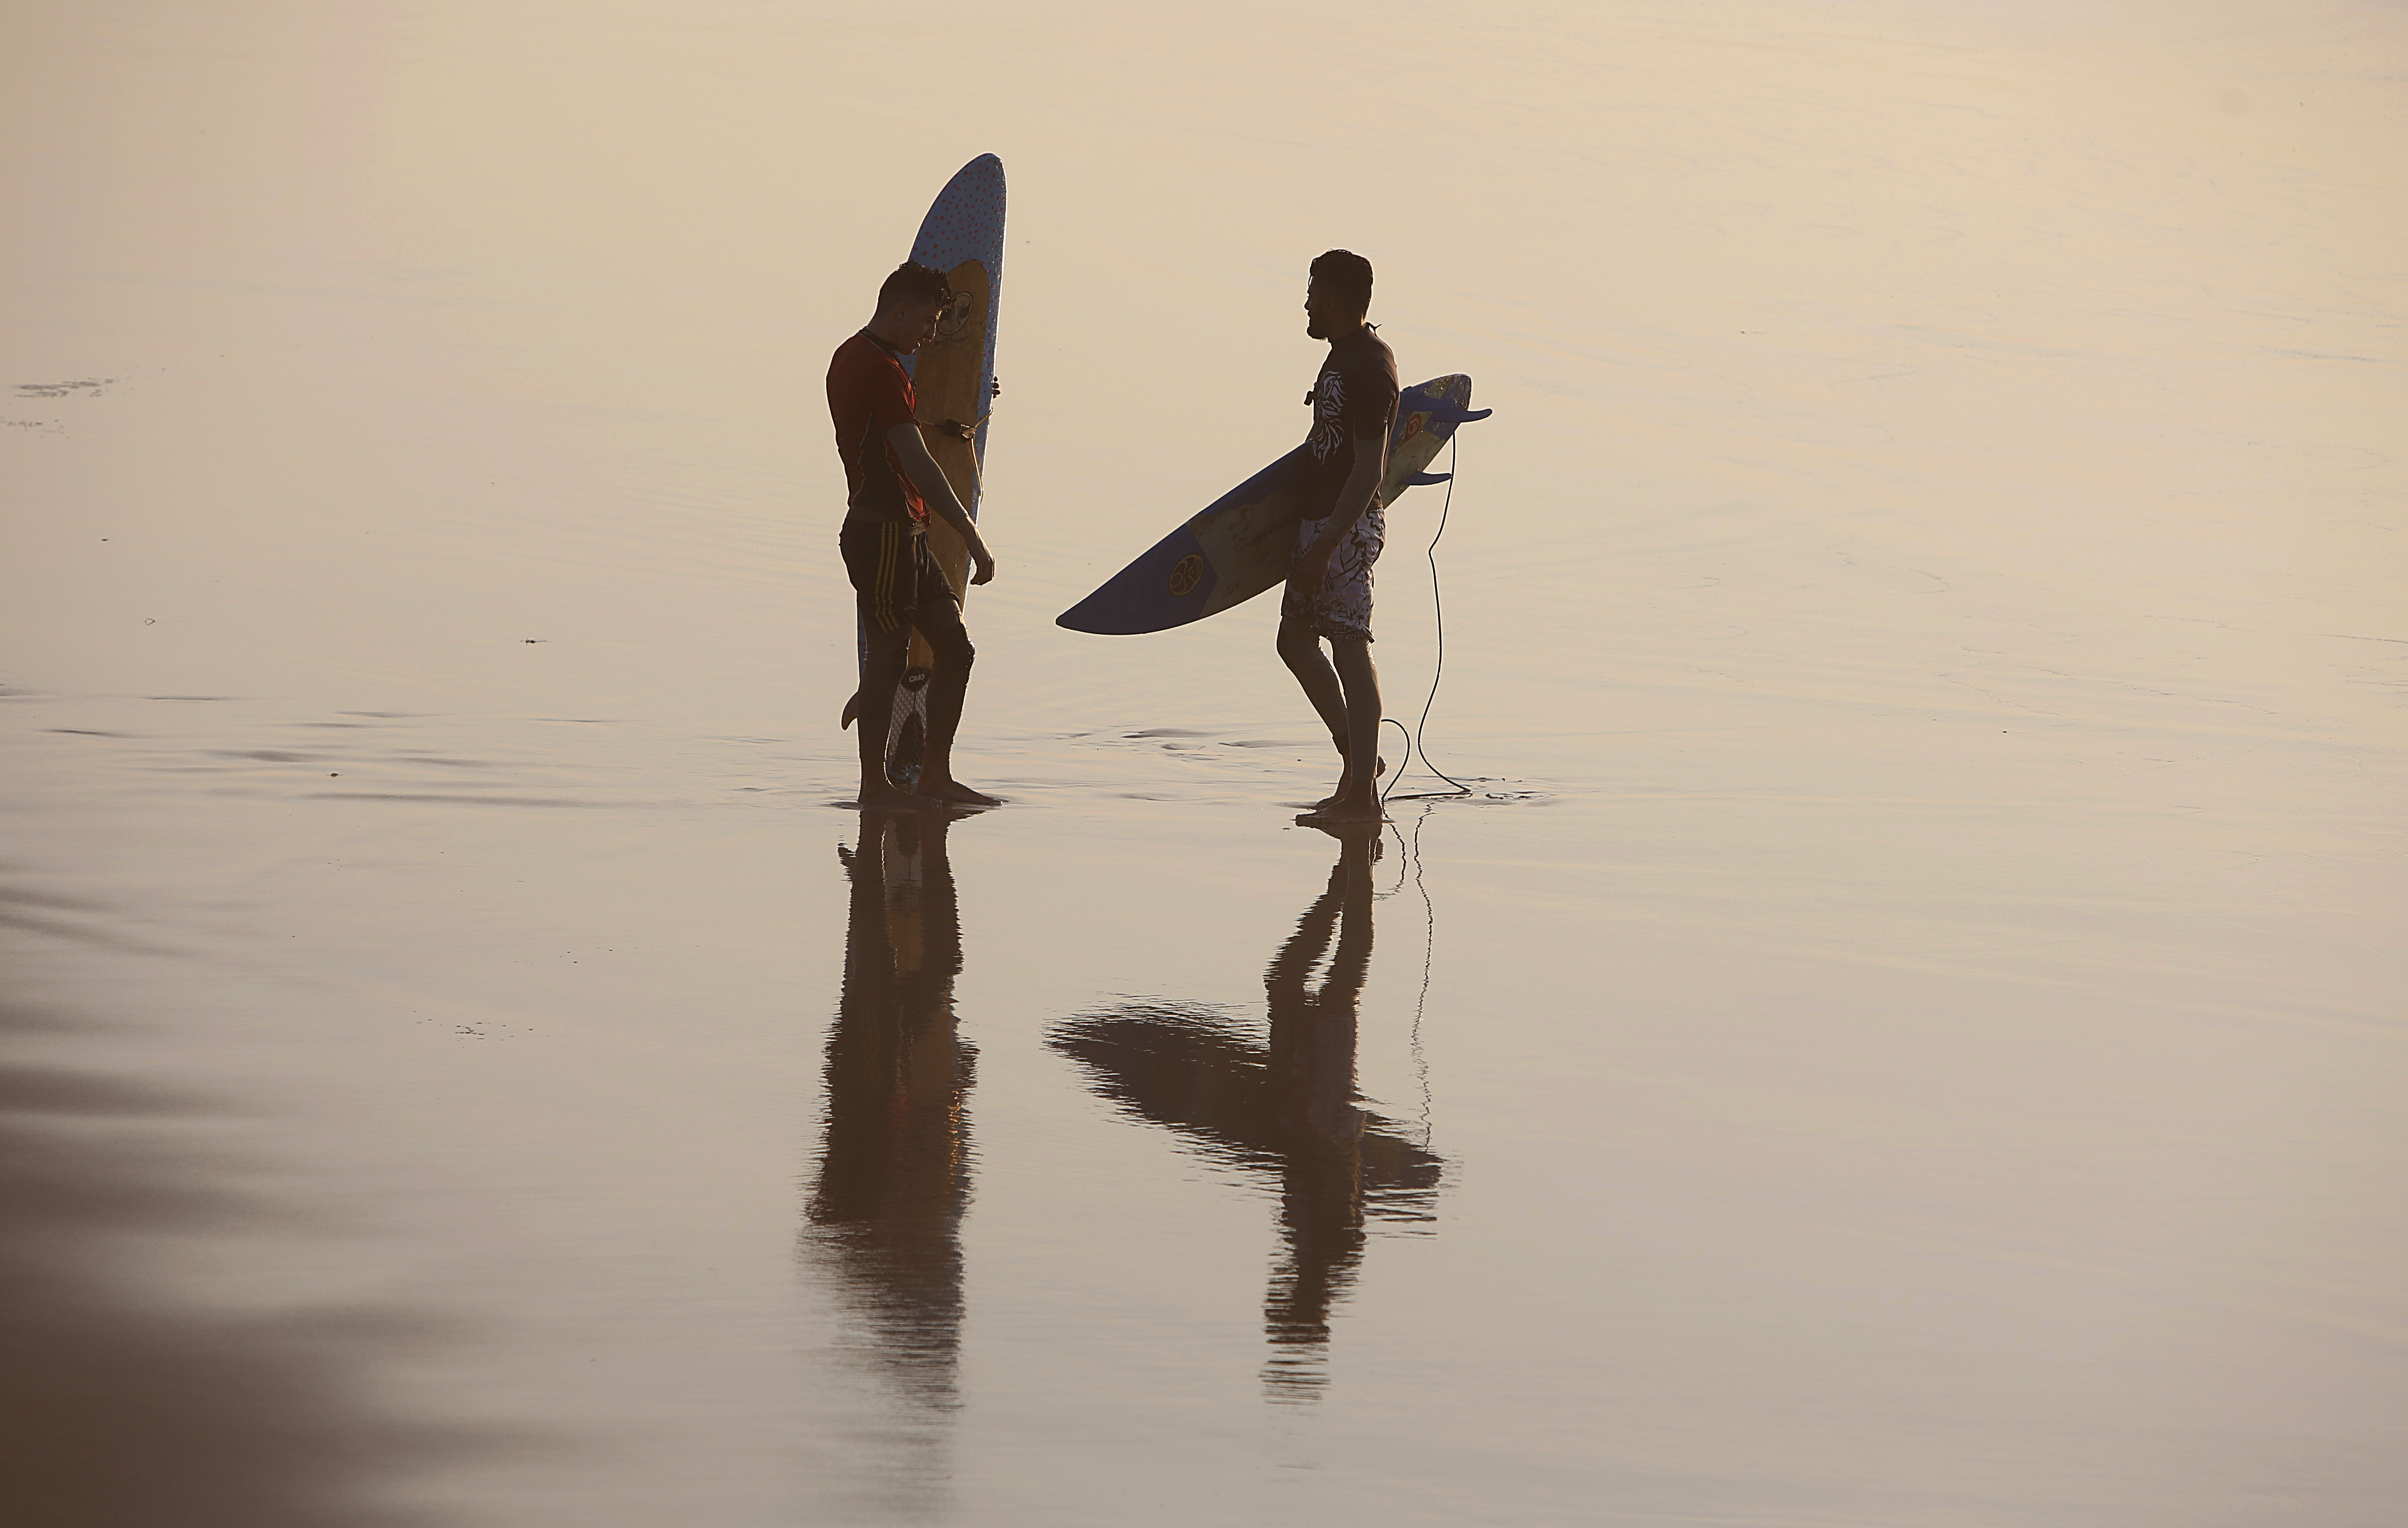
(894, 576)
(1342, 607)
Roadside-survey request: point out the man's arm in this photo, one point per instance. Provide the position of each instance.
(929, 478)
(1361, 487)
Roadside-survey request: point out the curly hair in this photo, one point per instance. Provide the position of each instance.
(912, 282)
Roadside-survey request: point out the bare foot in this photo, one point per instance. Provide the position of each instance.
(1345, 784)
(1359, 807)
(954, 793)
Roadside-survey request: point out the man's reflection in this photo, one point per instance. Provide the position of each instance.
(1288, 1108)
(886, 1215)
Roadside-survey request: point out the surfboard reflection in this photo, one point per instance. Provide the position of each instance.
(884, 1217)
(1284, 1109)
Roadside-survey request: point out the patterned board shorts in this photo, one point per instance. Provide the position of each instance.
(1343, 605)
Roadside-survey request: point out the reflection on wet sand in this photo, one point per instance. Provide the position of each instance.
(118, 1408)
(1288, 1108)
(895, 1175)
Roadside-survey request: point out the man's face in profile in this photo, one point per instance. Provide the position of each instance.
(916, 321)
(1322, 317)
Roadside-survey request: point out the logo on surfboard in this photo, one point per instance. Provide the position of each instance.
(955, 316)
(1185, 574)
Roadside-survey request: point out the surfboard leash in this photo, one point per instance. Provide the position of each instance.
(1438, 609)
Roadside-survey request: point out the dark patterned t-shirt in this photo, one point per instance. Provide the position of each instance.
(1356, 395)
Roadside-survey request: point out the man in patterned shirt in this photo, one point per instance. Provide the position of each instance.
(1329, 576)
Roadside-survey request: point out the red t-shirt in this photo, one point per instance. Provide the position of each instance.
(869, 394)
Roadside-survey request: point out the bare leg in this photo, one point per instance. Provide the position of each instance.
(949, 682)
(878, 676)
(1300, 650)
(1358, 792)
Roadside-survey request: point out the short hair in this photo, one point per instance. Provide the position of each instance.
(911, 281)
(1344, 275)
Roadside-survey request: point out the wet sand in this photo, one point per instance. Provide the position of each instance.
(1907, 1030)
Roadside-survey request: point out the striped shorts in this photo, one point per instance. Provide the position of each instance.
(892, 573)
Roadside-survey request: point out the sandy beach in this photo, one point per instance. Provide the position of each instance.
(1907, 1028)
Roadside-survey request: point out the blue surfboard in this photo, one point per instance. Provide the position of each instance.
(954, 373)
(1240, 545)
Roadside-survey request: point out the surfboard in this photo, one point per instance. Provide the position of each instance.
(1240, 545)
(953, 376)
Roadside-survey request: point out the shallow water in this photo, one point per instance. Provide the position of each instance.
(1907, 1028)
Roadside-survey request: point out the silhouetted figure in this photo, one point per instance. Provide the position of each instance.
(1328, 596)
(893, 485)
(1287, 1108)
(886, 1215)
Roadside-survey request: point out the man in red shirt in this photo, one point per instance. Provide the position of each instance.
(894, 483)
